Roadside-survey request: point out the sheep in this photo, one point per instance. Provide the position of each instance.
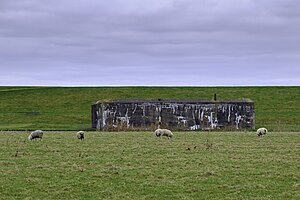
(80, 135)
(35, 134)
(163, 132)
(261, 131)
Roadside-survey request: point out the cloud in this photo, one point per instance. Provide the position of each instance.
(122, 39)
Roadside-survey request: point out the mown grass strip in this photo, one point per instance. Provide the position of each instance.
(276, 108)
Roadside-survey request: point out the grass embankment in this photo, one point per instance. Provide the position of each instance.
(137, 165)
(68, 108)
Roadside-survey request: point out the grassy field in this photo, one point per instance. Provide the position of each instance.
(69, 108)
(137, 165)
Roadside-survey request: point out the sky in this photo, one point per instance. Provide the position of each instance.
(150, 42)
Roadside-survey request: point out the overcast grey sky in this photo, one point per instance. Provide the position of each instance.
(150, 42)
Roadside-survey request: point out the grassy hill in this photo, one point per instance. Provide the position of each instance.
(69, 108)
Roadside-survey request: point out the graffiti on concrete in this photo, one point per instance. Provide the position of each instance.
(173, 114)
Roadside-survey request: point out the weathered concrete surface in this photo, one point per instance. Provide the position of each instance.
(173, 114)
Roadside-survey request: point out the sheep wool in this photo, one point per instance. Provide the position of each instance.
(261, 131)
(80, 135)
(35, 134)
(163, 132)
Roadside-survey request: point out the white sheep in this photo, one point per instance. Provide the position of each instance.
(262, 131)
(35, 134)
(80, 135)
(163, 132)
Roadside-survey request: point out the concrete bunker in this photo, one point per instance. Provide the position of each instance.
(172, 114)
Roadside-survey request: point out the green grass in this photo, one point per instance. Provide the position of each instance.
(69, 108)
(137, 165)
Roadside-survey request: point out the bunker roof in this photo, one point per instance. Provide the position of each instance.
(190, 101)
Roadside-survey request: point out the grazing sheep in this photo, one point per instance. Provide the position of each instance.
(261, 131)
(80, 135)
(163, 132)
(35, 134)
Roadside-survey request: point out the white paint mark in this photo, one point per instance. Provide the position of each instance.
(229, 111)
(237, 120)
(195, 127)
(135, 106)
